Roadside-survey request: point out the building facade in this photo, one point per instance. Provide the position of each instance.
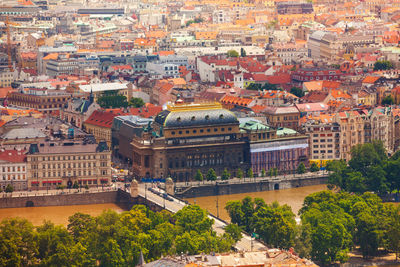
(13, 169)
(189, 137)
(54, 163)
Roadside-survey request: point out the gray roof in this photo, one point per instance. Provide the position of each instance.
(165, 263)
(180, 119)
(23, 133)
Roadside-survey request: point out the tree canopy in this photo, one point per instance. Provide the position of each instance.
(232, 53)
(297, 91)
(111, 239)
(383, 65)
(369, 170)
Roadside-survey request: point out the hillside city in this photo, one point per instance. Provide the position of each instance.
(126, 95)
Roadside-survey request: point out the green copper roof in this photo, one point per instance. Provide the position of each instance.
(285, 131)
(254, 126)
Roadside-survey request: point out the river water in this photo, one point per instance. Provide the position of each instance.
(59, 215)
(56, 214)
(293, 197)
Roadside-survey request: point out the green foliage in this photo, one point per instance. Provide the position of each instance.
(113, 100)
(196, 20)
(9, 188)
(368, 170)
(388, 100)
(335, 223)
(111, 239)
(211, 175)
(234, 231)
(250, 173)
(263, 173)
(136, 102)
(301, 168)
(225, 175)
(383, 65)
(243, 52)
(239, 173)
(75, 185)
(297, 91)
(274, 224)
(232, 53)
(199, 176)
(314, 167)
(259, 87)
(86, 187)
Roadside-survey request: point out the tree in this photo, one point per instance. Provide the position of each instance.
(388, 100)
(234, 231)
(392, 234)
(113, 100)
(314, 167)
(225, 175)
(17, 243)
(301, 168)
(80, 225)
(136, 102)
(239, 173)
(199, 176)
(297, 91)
(276, 225)
(232, 53)
(242, 52)
(275, 171)
(211, 175)
(9, 188)
(250, 173)
(263, 173)
(193, 218)
(383, 65)
(75, 185)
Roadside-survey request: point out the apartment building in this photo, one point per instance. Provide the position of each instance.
(324, 139)
(13, 169)
(54, 163)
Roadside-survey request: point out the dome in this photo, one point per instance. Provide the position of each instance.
(191, 118)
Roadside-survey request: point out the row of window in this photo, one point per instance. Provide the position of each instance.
(53, 158)
(13, 169)
(13, 177)
(201, 131)
(322, 151)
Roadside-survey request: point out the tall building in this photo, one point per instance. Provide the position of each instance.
(185, 138)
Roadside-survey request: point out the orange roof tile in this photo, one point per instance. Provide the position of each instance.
(370, 79)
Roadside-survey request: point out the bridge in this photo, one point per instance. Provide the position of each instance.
(245, 244)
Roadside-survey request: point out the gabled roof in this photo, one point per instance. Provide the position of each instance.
(236, 100)
(13, 156)
(370, 79)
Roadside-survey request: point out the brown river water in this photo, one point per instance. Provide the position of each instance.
(59, 215)
(293, 197)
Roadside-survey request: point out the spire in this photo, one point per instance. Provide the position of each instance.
(141, 261)
(91, 98)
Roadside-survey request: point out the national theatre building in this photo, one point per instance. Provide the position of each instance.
(188, 137)
(185, 138)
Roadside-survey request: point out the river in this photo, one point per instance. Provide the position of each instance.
(59, 215)
(56, 214)
(293, 197)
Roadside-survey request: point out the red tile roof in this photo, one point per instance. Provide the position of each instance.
(102, 118)
(283, 78)
(370, 79)
(13, 156)
(236, 100)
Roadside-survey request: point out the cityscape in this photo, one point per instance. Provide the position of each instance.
(199, 133)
